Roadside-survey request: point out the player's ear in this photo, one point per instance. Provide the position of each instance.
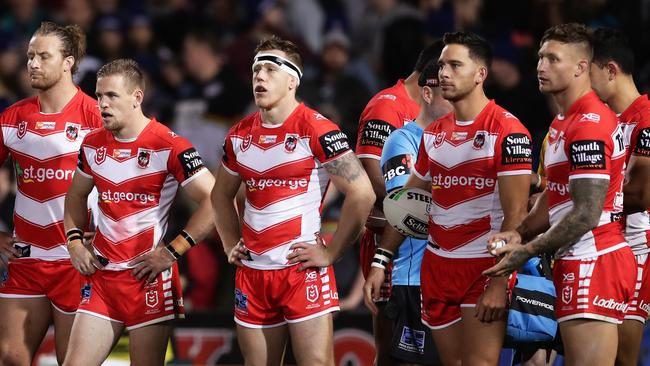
(582, 67)
(427, 94)
(139, 96)
(68, 63)
(481, 74)
(612, 70)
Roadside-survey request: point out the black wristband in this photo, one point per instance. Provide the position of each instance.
(188, 237)
(173, 251)
(384, 252)
(73, 231)
(75, 236)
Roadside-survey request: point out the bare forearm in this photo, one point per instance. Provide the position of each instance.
(537, 221)
(226, 220)
(75, 211)
(354, 213)
(391, 239)
(372, 168)
(201, 222)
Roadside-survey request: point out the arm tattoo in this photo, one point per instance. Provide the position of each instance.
(588, 197)
(346, 166)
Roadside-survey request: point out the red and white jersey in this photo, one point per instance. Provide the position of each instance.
(282, 167)
(136, 182)
(44, 148)
(635, 122)
(463, 160)
(587, 142)
(387, 111)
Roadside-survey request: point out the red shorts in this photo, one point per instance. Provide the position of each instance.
(640, 304)
(595, 288)
(449, 284)
(119, 296)
(368, 243)
(56, 280)
(270, 298)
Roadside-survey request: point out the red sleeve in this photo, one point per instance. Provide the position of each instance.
(327, 142)
(377, 122)
(82, 161)
(4, 120)
(422, 164)
(185, 162)
(640, 139)
(513, 151)
(228, 158)
(590, 148)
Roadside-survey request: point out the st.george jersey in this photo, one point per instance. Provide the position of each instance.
(587, 142)
(635, 122)
(387, 111)
(282, 167)
(136, 182)
(397, 159)
(44, 148)
(463, 160)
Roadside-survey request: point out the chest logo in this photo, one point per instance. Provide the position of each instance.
(144, 158)
(246, 143)
(22, 129)
(100, 155)
(290, 142)
(439, 139)
(72, 131)
(479, 140)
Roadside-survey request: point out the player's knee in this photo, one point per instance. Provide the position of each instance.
(10, 357)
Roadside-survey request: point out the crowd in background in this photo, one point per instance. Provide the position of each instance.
(198, 54)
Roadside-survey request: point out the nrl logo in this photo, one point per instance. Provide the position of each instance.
(22, 129)
(72, 131)
(439, 139)
(144, 158)
(246, 143)
(151, 298)
(100, 155)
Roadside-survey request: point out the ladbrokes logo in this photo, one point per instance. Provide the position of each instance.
(448, 181)
(117, 197)
(610, 304)
(262, 184)
(32, 174)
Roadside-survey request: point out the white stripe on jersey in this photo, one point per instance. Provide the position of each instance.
(450, 156)
(39, 213)
(42, 147)
(118, 172)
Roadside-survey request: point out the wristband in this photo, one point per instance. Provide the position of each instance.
(75, 237)
(378, 265)
(188, 237)
(74, 231)
(172, 251)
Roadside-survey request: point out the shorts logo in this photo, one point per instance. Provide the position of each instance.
(412, 340)
(100, 155)
(22, 129)
(151, 298)
(479, 140)
(86, 291)
(568, 277)
(439, 139)
(311, 276)
(241, 301)
(246, 143)
(144, 158)
(312, 293)
(290, 142)
(72, 131)
(567, 294)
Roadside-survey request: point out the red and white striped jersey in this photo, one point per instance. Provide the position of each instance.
(136, 182)
(463, 161)
(44, 147)
(635, 122)
(587, 142)
(282, 167)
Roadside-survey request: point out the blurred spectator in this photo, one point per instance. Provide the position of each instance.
(334, 90)
(141, 44)
(20, 22)
(305, 20)
(110, 38)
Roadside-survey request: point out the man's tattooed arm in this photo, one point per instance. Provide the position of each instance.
(346, 166)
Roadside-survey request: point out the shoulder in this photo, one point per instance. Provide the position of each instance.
(165, 137)
(21, 107)
(245, 124)
(314, 122)
(96, 137)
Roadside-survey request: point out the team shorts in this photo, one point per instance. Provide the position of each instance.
(270, 298)
(56, 280)
(120, 297)
(595, 288)
(412, 341)
(640, 304)
(369, 242)
(449, 284)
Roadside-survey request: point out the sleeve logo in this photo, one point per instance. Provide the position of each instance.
(516, 149)
(587, 155)
(396, 166)
(334, 143)
(375, 132)
(642, 146)
(190, 161)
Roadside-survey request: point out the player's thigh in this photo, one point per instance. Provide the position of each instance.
(262, 346)
(91, 340)
(312, 341)
(23, 324)
(448, 342)
(147, 345)
(62, 328)
(629, 342)
(382, 329)
(482, 341)
(589, 342)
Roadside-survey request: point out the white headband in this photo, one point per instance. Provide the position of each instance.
(281, 62)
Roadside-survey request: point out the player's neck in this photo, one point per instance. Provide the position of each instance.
(470, 106)
(411, 86)
(54, 99)
(571, 94)
(132, 129)
(624, 95)
(276, 115)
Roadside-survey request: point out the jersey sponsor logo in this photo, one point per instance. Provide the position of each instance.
(262, 183)
(643, 142)
(567, 294)
(334, 143)
(610, 304)
(172, 134)
(397, 165)
(319, 116)
(267, 139)
(72, 131)
(290, 142)
(312, 293)
(22, 129)
(246, 143)
(190, 161)
(45, 125)
(86, 292)
(311, 275)
(412, 340)
(560, 188)
(438, 139)
(590, 117)
(458, 136)
(516, 149)
(448, 181)
(587, 154)
(552, 133)
(143, 157)
(100, 155)
(509, 115)
(568, 277)
(387, 96)
(151, 298)
(375, 132)
(241, 301)
(33, 174)
(479, 140)
(644, 306)
(121, 153)
(109, 196)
